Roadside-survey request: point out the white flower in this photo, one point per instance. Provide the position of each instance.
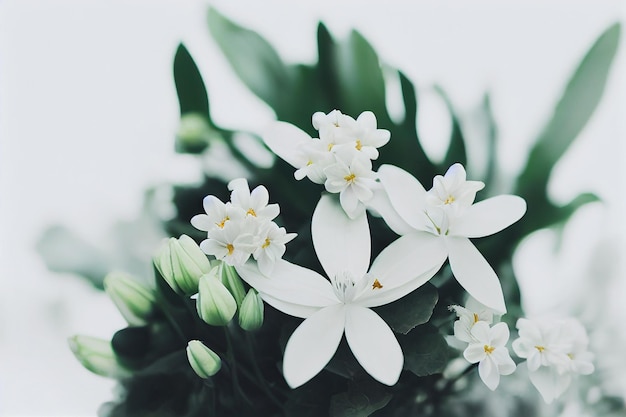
(489, 350)
(233, 243)
(272, 246)
(472, 313)
(217, 214)
(448, 229)
(341, 304)
(353, 182)
(554, 352)
(362, 135)
(253, 203)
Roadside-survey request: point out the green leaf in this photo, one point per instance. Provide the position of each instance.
(426, 352)
(411, 310)
(580, 99)
(191, 91)
(363, 398)
(456, 149)
(253, 59)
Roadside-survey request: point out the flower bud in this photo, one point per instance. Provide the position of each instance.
(251, 311)
(181, 262)
(133, 300)
(203, 360)
(232, 281)
(97, 355)
(194, 133)
(215, 304)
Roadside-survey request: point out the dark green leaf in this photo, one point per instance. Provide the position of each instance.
(363, 398)
(253, 59)
(192, 94)
(411, 310)
(426, 352)
(580, 99)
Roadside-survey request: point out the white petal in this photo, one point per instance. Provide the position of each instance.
(480, 331)
(202, 222)
(373, 344)
(407, 195)
(488, 372)
(489, 216)
(403, 266)
(341, 244)
(475, 352)
(296, 310)
(381, 205)
(474, 274)
(500, 334)
(549, 383)
(290, 283)
(313, 344)
(350, 203)
(285, 140)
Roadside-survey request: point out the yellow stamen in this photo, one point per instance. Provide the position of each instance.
(540, 348)
(251, 212)
(449, 200)
(330, 146)
(475, 318)
(571, 356)
(230, 248)
(376, 284)
(358, 145)
(223, 222)
(266, 243)
(489, 349)
(309, 163)
(349, 178)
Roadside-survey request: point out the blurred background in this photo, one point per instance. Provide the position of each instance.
(88, 116)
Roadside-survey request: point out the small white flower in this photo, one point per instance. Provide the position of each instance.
(472, 313)
(342, 303)
(233, 243)
(353, 182)
(253, 203)
(554, 352)
(489, 351)
(449, 231)
(362, 135)
(217, 214)
(272, 246)
(316, 158)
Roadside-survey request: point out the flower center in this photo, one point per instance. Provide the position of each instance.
(330, 146)
(540, 348)
(475, 318)
(251, 212)
(349, 178)
(223, 222)
(266, 243)
(358, 145)
(376, 284)
(489, 349)
(449, 200)
(344, 285)
(230, 248)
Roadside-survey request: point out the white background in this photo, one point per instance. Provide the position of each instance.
(88, 113)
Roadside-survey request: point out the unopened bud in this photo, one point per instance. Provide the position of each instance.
(232, 281)
(194, 133)
(251, 311)
(97, 355)
(215, 304)
(134, 301)
(181, 262)
(203, 360)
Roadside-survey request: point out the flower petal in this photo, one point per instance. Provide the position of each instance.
(285, 140)
(373, 344)
(475, 352)
(403, 266)
(381, 206)
(313, 344)
(290, 283)
(549, 382)
(296, 310)
(489, 216)
(488, 372)
(407, 195)
(474, 274)
(341, 244)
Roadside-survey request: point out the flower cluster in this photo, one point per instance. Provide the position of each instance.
(243, 227)
(341, 158)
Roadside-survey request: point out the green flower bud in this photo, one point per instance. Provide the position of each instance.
(251, 311)
(133, 300)
(203, 360)
(97, 355)
(181, 262)
(194, 133)
(231, 280)
(215, 304)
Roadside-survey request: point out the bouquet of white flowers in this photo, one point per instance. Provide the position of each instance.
(343, 278)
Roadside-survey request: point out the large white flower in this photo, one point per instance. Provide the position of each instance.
(340, 304)
(445, 218)
(488, 349)
(555, 351)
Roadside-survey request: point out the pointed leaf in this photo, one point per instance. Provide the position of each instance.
(412, 310)
(426, 352)
(363, 398)
(191, 91)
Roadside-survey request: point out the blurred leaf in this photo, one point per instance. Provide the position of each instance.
(192, 94)
(363, 398)
(426, 352)
(580, 99)
(253, 59)
(411, 310)
(456, 149)
(492, 134)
